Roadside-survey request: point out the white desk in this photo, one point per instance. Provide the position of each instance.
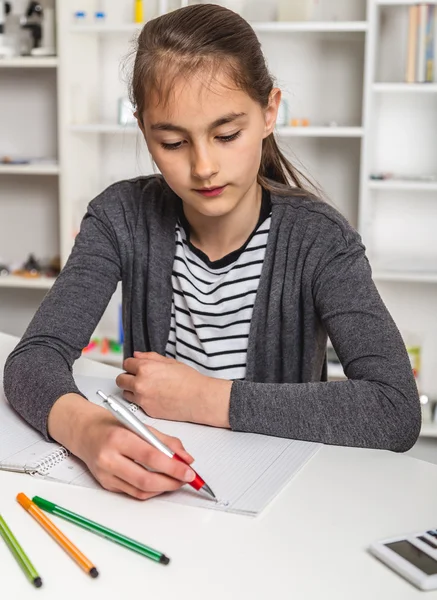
(310, 543)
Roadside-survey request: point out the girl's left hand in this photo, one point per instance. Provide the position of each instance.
(168, 389)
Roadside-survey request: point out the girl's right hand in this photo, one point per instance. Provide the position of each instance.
(112, 452)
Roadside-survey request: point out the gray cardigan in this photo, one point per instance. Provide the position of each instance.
(315, 281)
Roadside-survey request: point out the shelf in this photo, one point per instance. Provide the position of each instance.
(32, 169)
(405, 276)
(258, 26)
(107, 28)
(401, 2)
(334, 132)
(407, 88)
(398, 185)
(37, 283)
(29, 62)
(310, 26)
(104, 128)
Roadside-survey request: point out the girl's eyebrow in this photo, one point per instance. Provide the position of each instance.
(220, 121)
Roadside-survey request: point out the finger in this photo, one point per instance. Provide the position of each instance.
(143, 479)
(118, 485)
(131, 365)
(137, 449)
(174, 444)
(125, 381)
(152, 356)
(129, 396)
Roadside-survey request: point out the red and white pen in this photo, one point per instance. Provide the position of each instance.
(132, 422)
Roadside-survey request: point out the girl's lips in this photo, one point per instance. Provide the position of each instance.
(212, 192)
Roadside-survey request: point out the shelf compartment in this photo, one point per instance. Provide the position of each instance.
(405, 276)
(30, 169)
(401, 2)
(403, 186)
(405, 88)
(326, 132)
(36, 283)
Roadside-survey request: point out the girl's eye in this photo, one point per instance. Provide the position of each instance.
(175, 146)
(229, 138)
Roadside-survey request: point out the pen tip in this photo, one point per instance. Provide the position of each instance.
(37, 582)
(102, 395)
(209, 491)
(164, 559)
(94, 572)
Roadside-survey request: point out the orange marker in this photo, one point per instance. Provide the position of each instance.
(57, 535)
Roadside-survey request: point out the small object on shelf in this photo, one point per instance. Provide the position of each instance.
(104, 347)
(52, 268)
(299, 122)
(332, 124)
(4, 270)
(41, 23)
(8, 160)
(79, 17)
(138, 11)
(100, 16)
(115, 347)
(412, 178)
(93, 344)
(381, 176)
(31, 268)
(126, 112)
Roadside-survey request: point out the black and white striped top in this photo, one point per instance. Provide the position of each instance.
(213, 301)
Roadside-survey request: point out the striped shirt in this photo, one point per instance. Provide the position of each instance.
(213, 301)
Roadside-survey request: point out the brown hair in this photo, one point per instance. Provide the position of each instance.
(201, 39)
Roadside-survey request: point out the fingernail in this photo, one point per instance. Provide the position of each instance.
(189, 475)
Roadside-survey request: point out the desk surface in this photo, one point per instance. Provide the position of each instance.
(309, 543)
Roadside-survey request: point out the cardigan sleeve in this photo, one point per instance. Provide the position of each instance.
(39, 370)
(378, 405)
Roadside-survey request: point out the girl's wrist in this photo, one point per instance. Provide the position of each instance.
(67, 420)
(215, 395)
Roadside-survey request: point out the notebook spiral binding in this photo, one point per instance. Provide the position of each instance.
(44, 466)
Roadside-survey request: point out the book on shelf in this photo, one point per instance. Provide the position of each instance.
(420, 44)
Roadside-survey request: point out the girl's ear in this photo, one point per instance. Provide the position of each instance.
(271, 112)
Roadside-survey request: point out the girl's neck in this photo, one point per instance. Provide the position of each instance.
(218, 236)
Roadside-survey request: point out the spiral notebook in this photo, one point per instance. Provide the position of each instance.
(245, 470)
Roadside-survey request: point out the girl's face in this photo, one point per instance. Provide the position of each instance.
(209, 137)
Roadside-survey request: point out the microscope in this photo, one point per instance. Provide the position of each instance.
(41, 23)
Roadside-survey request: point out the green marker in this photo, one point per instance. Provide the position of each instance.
(20, 555)
(94, 527)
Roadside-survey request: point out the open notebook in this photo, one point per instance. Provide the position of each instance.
(245, 470)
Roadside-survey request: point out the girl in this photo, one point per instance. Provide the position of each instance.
(232, 275)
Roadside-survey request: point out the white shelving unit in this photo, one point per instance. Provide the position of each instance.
(398, 217)
(347, 69)
(29, 193)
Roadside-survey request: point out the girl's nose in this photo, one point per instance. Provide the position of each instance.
(203, 166)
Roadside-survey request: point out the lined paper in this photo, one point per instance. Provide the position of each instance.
(245, 470)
